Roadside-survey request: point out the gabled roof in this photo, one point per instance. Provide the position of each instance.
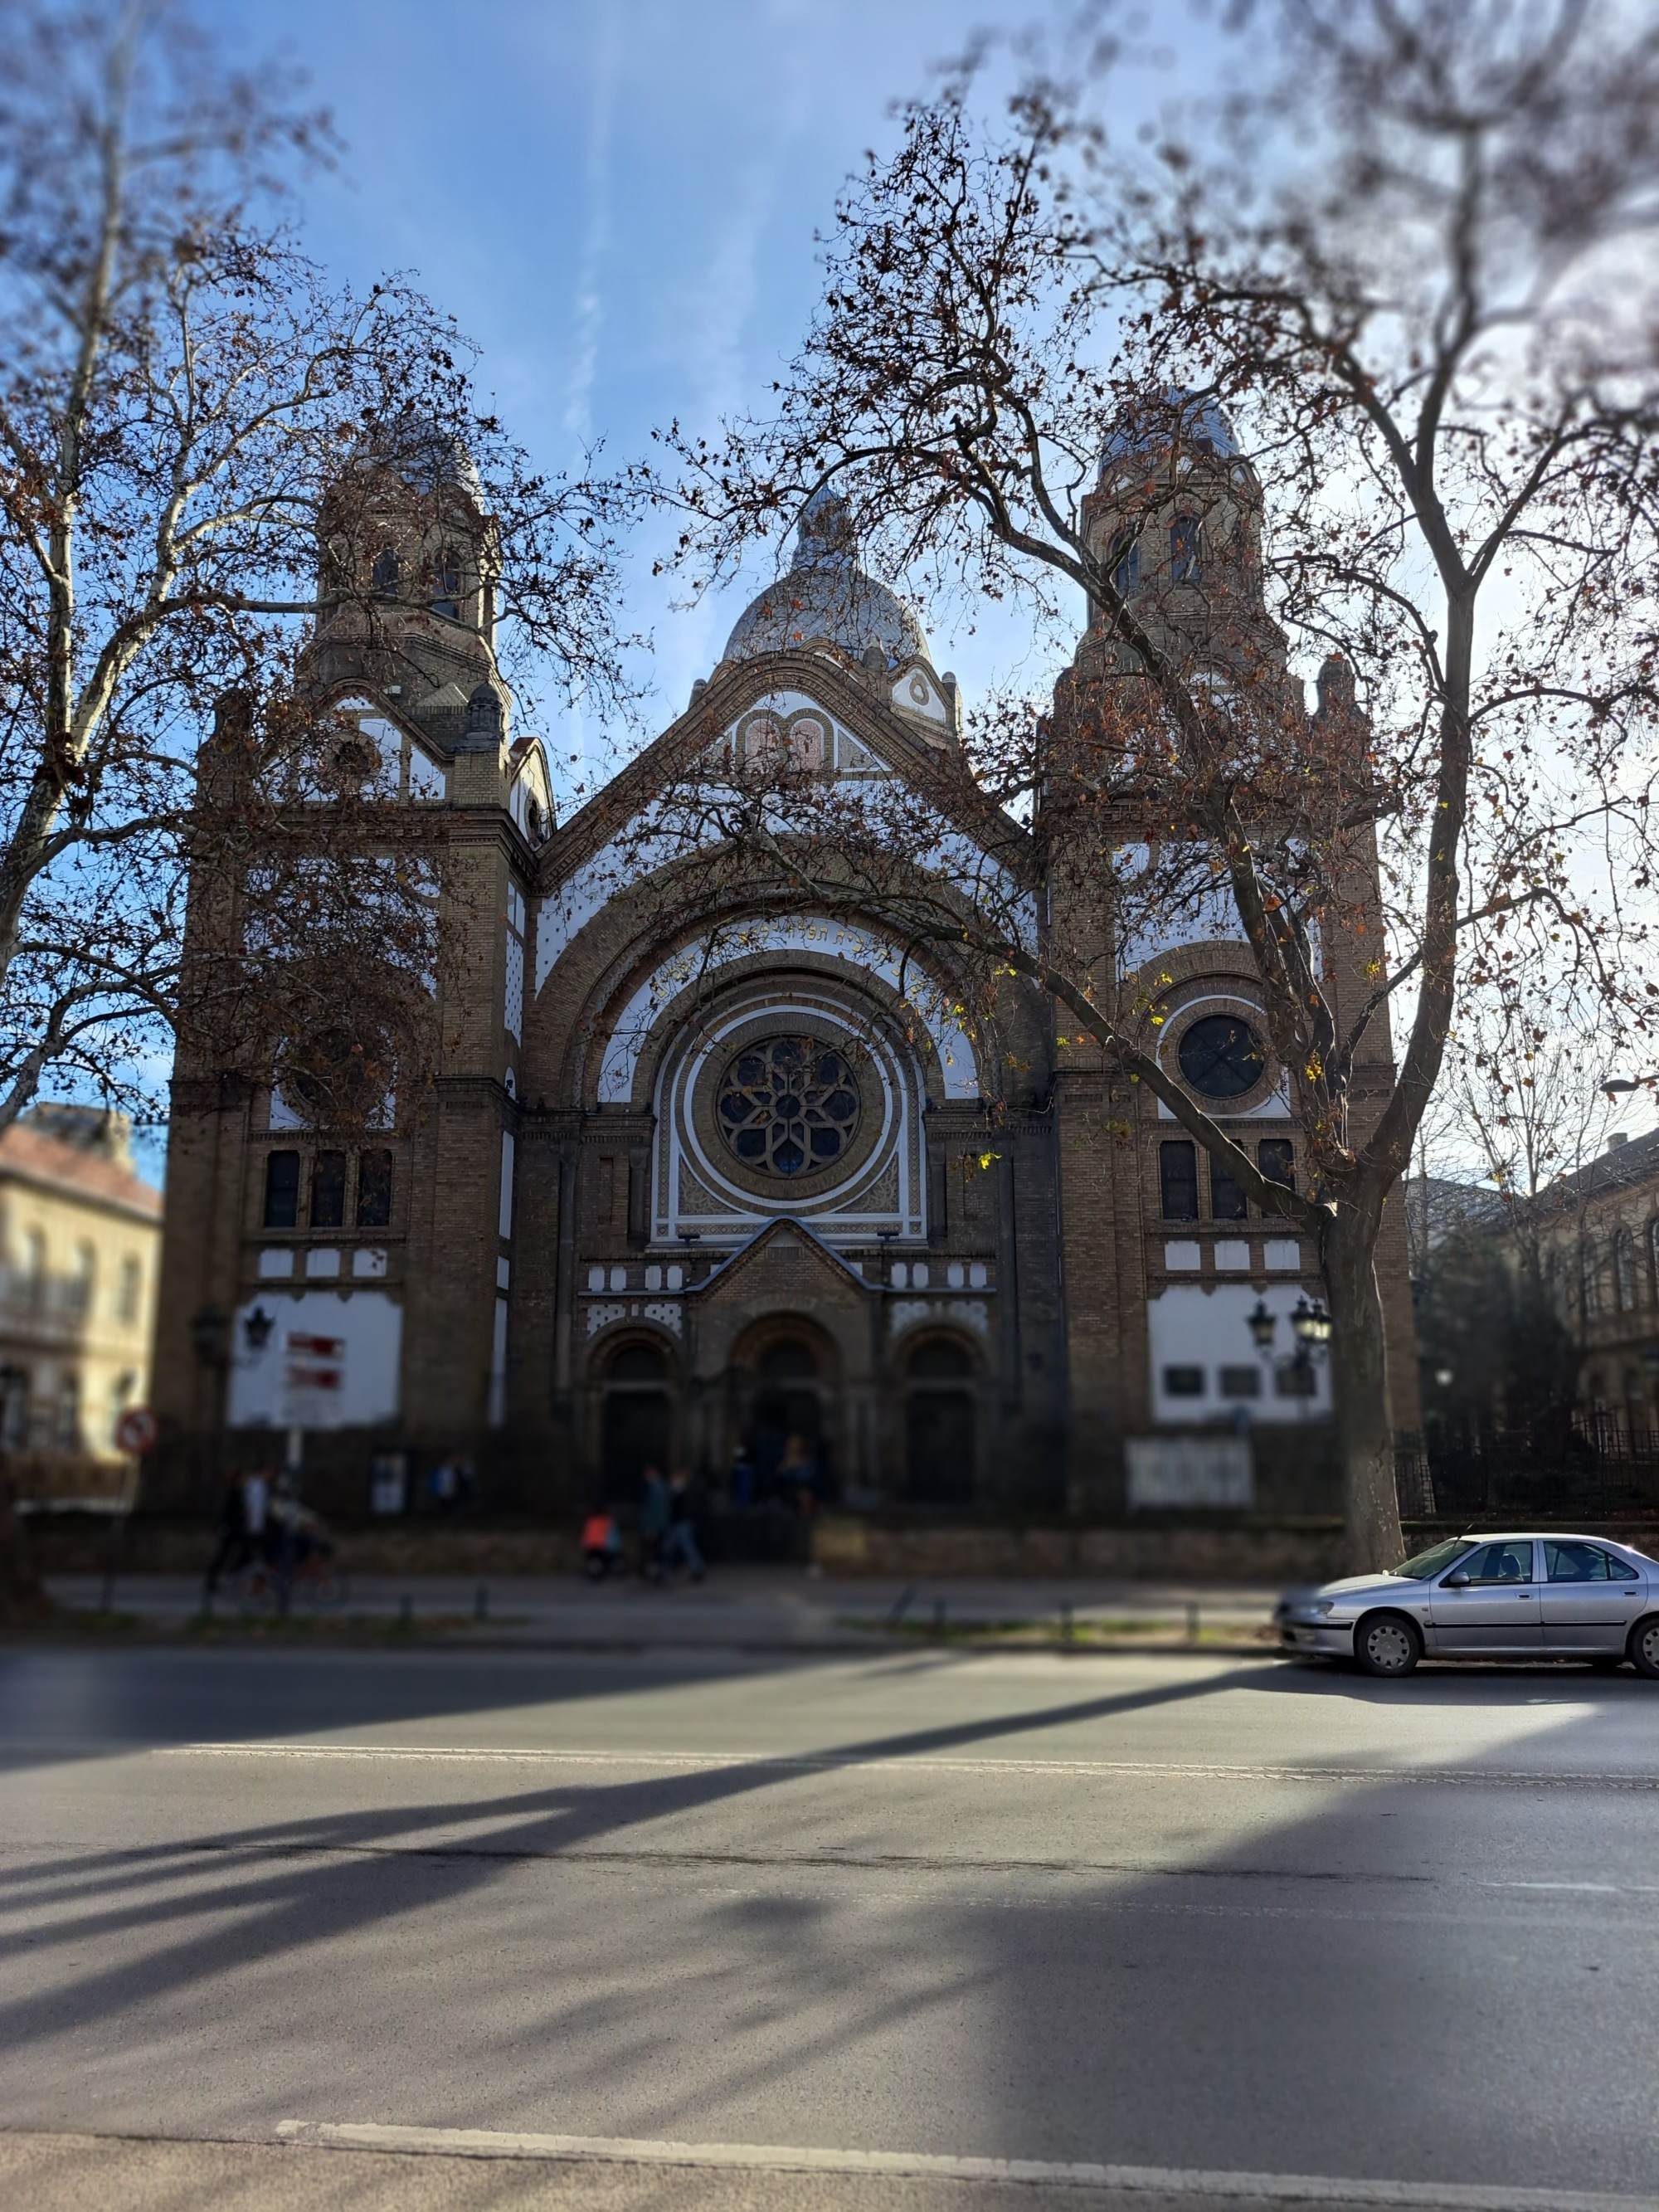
(28, 1156)
(1622, 1167)
(735, 685)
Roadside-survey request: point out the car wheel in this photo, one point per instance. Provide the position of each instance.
(1387, 1643)
(1644, 1647)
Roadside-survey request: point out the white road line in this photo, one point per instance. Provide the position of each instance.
(773, 2158)
(695, 1762)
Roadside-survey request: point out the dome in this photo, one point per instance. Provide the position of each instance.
(1202, 424)
(825, 593)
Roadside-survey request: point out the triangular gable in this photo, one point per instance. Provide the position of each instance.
(741, 686)
(785, 1238)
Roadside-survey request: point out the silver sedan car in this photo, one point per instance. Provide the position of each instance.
(1487, 1597)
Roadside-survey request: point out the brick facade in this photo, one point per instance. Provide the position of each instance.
(971, 1306)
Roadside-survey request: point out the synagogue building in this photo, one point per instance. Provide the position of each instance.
(683, 1184)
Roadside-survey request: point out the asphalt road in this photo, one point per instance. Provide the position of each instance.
(1171, 1930)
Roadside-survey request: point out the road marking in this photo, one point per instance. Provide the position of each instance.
(1589, 1888)
(773, 2158)
(832, 1762)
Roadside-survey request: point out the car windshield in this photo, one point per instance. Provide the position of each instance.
(1425, 1563)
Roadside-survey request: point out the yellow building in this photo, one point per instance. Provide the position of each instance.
(80, 1249)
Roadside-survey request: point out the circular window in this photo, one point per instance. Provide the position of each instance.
(787, 1105)
(1220, 1057)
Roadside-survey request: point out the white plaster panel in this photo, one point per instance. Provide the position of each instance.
(915, 693)
(504, 1221)
(513, 1013)
(363, 1330)
(1206, 914)
(964, 1312)
(1189, 1326)
(426, 779)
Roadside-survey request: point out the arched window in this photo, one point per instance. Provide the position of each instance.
(1624, 1270)
(1183, 550)
(1125, 561)
(637, 1424)
(1590, 1277)
(1653, 1257)
(940, 1441)
(387, 578)
(447, 578)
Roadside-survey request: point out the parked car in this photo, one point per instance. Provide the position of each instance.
(1487, 1597)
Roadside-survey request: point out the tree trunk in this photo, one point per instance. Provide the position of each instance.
(1360, 1384)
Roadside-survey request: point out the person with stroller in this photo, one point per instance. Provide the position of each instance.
(602, 1545)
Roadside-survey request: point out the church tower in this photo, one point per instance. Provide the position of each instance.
(342, 1281)
(1174, 1257)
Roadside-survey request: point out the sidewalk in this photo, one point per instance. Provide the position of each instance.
(737, 1608)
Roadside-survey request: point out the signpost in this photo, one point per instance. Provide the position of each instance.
(137, 1432)
(313, 1383)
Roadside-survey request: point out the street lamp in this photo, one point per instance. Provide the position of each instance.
(1311, 1323)
(1261, 1324)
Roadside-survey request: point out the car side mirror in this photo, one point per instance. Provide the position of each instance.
(1458, 1580)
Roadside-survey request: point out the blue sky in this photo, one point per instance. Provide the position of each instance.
(618, 200)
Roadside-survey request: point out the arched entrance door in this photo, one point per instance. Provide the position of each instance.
(788, 1415)
(940, 1430)
(636, 1420)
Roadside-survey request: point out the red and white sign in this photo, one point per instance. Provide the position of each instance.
(313, 1378)
(137, 1432)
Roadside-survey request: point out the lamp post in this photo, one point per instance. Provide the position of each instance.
(1310, 1325)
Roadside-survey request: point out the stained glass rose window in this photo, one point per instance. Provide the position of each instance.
(787, 1105)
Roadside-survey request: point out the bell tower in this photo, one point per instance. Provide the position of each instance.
(408, 566)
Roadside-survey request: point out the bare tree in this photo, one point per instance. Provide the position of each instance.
(206, 447)
(1353, 373)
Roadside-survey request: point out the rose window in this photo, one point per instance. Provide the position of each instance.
(787, 1105)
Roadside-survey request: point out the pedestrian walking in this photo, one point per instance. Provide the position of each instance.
(256, 1512)
(681, 1541)
(232, 1552)
(654, 1514)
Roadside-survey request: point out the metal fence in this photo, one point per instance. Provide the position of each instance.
(1493, 1471)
